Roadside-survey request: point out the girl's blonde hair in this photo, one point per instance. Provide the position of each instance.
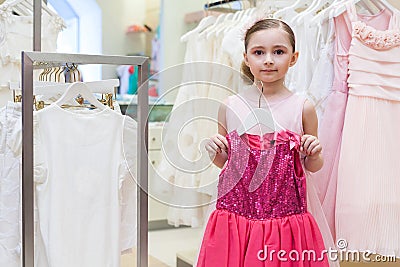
(260, 25)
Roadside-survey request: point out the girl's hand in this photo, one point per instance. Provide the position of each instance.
(216, 144)
(310, 146)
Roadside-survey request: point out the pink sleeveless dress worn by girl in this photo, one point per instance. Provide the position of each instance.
(261, 216)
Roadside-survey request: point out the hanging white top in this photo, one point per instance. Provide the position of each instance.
(82, 159)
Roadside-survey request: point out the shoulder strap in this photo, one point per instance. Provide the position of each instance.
(395, 21)
(351, 11)
(301, 101)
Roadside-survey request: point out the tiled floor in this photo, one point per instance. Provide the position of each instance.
(165, 244)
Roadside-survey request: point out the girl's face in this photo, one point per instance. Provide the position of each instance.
(269, 55)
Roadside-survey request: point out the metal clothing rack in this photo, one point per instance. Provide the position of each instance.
(36, 60)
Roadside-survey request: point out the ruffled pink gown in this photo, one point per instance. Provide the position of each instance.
(330, 131)
(368, 190)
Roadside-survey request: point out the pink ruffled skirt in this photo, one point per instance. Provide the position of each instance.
(235, 241)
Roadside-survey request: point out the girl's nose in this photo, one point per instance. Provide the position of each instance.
(268, 59)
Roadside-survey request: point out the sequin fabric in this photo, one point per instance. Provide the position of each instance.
(263, 183)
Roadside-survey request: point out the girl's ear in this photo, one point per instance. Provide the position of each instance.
(294, 58)
(246, 61)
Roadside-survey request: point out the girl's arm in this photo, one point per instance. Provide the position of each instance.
(310, 145)
(217, 145)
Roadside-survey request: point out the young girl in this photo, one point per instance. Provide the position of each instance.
(261, 216)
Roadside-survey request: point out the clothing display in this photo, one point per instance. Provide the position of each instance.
(330, 130)
(258, 198)
(261, 194)
(89, 173)
(10, 177)
(199, 81)
(222, 43)
(124, 77)
(373, 106)
(322, 79)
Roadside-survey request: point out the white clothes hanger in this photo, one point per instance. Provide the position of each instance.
(342, 8)
(376, 4)
(204, 23)
(243, 13)
(99, 87)
(79, 88)
(25, 8)
(51, 89)
(228, 21)
(235, 20)
(297, 4)
(325, 14)
(56, 88)
(297, 20)
(256, 117)
(367, 7)
(209, 31)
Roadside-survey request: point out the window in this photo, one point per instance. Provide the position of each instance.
(83, 34)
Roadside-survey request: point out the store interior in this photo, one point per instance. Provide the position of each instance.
(153, 29)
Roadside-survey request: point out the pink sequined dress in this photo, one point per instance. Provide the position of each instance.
(262, 206)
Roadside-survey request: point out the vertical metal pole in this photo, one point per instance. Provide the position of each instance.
(37, 25)
(27, 163)
(142, 145)
(27, 141)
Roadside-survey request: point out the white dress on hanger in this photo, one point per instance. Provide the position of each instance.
(290, 81)
(10, 176)
(322, 80)
(223, 76)
(80, 172)
(183, 145)
(232, 45)
(302, 71)
(16, 35)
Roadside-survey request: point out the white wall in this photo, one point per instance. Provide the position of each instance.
(172, 27)
(117, 15)
(90, 42)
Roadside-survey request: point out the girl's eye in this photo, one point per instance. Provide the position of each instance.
(279, 52)
(258, 52)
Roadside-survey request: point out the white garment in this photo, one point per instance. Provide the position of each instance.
(291, 74)
(322, 80)
(209, 70)
(223, 85)
(10, 163)
(15, 36)
(233, 45)
(302, 72)
(82, 160)
(184, 192)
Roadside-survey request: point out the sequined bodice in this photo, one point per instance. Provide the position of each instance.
(263, 184)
